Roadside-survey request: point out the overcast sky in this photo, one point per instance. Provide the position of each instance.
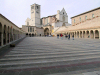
(17, 11)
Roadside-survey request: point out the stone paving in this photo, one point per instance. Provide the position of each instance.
(52, 56)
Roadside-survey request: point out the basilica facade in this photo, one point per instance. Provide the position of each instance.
(36, 26)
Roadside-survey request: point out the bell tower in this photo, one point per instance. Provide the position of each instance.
(35, 15)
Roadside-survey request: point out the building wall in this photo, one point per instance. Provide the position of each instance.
(89, 28)
(9, 32)
(40, 31)
(89, 16)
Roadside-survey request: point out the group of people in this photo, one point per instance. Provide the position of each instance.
(66, 36)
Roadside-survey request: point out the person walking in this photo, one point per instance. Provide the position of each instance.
(69, 36)
(73, 36)
(58, 36)
(61, 36)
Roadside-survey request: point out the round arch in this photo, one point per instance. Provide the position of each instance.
(91, 34)
(26, 34)
(4, 34)
(8, 34)
(46, 31)
(75, 35)
(87, 34)
(30, 35)
(78, 34)
(96, 34)
(83, 34)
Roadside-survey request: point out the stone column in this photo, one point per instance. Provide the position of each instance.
(85, 34)
(76, 35)
(1, 39)
(89, 34)
(9, 36)
(99, 34)
(82, 34)
(6, 37)
(94, 34)
(79, 34)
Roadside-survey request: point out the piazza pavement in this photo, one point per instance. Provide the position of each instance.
(52, 56)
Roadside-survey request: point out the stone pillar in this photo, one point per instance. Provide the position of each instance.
(94, 34)
(13, 36)
(9, 37)
(76, 35)
(85, 34)
(82, 34)
(6, 37)
(1, 39)
(89, 35)
(79, 34)
(99, 34)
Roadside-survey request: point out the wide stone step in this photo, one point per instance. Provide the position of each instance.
(11, 58)
(44, 64)
(47, 60)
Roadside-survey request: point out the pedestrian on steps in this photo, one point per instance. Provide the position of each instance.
(61, 36)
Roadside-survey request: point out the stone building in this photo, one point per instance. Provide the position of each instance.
(84, 25)
(46, 25)
(32, 26)
(9, 32)
(54, 22)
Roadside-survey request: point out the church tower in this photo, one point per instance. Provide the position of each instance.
(35, 15)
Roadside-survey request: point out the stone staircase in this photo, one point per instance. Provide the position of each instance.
(35, 52)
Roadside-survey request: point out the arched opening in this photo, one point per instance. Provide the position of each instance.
(75, 35)
(32, 35)
(80, 34)
(96, 34)
(8, 35)
(0, 33)
(27, 34)
(4, 34)
(72, 34)
(91, 34)
(40, 34)
(87, 34)
(46, 32)
(83, 34)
